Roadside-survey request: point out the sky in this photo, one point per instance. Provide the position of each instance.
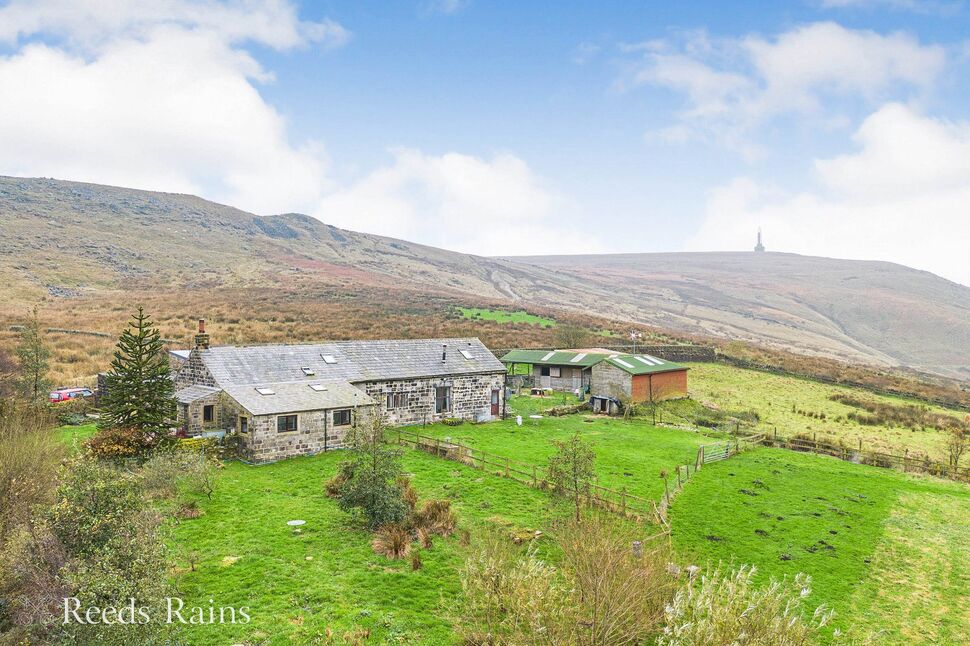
(839, 127)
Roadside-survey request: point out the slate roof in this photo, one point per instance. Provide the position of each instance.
(194, 393)
(353, 361)
(634, 364)
(295, 397)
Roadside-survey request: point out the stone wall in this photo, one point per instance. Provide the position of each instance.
(470, 397)
(315, 433)
(192, 372)
(190, 416)
(610, 381)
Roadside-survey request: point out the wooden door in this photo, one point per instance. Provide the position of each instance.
(495, 403)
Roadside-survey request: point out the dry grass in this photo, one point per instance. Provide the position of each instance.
(392, 541)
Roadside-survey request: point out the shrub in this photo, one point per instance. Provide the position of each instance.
(722, 609)
(437, 517)
(392, 540)
(604, 592)
(453, 421)
(122, 442)
(415, 560)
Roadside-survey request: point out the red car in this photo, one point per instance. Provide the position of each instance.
(67, 394)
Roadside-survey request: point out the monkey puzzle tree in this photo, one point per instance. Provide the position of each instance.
(140, 394)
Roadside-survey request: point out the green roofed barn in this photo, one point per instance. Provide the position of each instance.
(607, 377)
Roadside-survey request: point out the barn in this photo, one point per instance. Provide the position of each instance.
(607, 377)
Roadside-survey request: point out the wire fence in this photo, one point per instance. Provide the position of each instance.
(620, 502)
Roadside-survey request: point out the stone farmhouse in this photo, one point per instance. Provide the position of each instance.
(607, 377)
(287, 400)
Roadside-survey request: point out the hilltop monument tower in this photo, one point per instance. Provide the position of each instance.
(759, 247)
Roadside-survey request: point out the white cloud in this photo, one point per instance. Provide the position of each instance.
(90, 24)
(902, 196)
(165, 96)
(496, 206)
(733, 85)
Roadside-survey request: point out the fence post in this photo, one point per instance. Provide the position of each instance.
(678, 476)
(535, 481)
(506, 467)
(623, 500)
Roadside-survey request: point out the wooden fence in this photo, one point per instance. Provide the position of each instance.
(861, 456)
(619, 502)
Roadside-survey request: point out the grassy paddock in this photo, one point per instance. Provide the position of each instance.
(505, 316)
(886, 550)
(327, 576)
(629, 454)
(795, 405)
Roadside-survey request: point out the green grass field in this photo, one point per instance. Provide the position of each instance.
(74, 436)
(298, 585)
(778, 400)
(888, 551)
(505, 316)
(629, 454)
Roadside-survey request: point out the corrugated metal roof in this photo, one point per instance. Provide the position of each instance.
(190, 394)
(642, 364)
(638, 364)
(554, 358)
(295, 397)
(352, 361)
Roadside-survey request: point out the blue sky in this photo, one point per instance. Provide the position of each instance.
(838, 126)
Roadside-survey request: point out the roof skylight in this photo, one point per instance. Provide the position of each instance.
(309, 372)
(578, 357)
(548, 356)
(466, 354)
(623, 363)
(266, 391)
(318, 387)
(328, 358)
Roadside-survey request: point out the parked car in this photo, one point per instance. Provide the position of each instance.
(67, 394)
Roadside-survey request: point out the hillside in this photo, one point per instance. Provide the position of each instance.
(68, 240)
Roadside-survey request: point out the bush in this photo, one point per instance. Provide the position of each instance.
(392, 540)
(604, 592)
(453, 421)
(122, 442)
(723, 609)
(437, 517)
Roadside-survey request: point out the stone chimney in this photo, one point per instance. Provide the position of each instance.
(444, 352)
(201, 339)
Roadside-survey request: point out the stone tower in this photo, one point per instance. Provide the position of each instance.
(759, 247)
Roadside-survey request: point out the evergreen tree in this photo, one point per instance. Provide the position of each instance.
(34, 361)
(140, 393)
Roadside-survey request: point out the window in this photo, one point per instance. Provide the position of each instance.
(243, 424)
(442, 399)
(266, 391)
(208, 413)
(328, 358)
(555, 371)
(466, 354)
(286, 423)
(397, 400)
(309, 372)
(341, 417)
(320, 388)
(544, 371)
